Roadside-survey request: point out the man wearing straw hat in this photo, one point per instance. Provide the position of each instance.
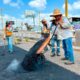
(66, 33)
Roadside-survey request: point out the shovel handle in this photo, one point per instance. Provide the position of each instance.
(43, 45)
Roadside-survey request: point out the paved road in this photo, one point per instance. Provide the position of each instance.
(54, 69)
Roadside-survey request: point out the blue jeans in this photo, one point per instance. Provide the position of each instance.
(68, 49)
(53, 41)
(10, 45)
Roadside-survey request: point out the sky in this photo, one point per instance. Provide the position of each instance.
(15, 9)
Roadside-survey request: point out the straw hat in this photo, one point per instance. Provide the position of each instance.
(56, 12)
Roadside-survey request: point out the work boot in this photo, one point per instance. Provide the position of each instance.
(64, 58)
(52, 55)
(69, 63)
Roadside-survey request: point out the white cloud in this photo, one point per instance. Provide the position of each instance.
(46, 16)
(42, 16)
(69, 6)
(6, 1)
(76, 15)
(13, 4)
(76, 5)
(22, 16)
(28, 20)
(38, 4)
(17, 21)
(73, 6)
(8, 17)
(16, 4)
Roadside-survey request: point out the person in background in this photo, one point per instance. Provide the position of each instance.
(55, 39)
(45, 29)
(8, 36)
(45, 32)
(66, 34)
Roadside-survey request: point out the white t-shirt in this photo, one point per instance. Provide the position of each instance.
(56, 29)
(53, 28)
(65, 33)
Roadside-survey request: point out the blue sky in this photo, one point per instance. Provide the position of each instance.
(16, 8)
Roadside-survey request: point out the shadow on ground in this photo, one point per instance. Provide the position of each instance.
(50, 71)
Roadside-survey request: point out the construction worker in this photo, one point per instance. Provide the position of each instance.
(8, 36)
(55, 38)
(45, 31)
(66, 34)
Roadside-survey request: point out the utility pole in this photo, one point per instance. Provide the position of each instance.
(66, 8)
